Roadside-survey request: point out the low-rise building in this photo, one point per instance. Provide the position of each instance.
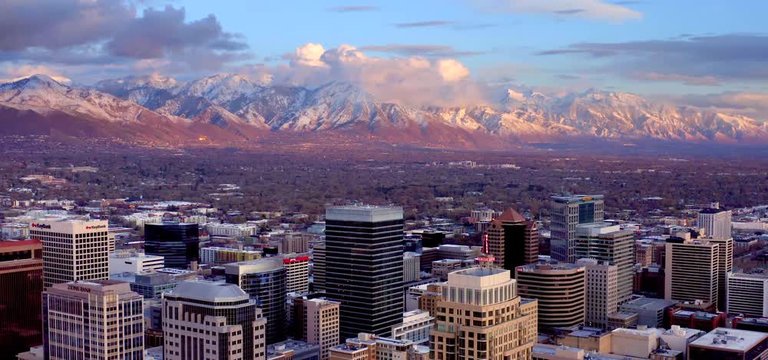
(415, 327)
(722, 343)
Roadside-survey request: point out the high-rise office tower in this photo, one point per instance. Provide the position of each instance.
(608, 243)
(725, 265)
(318, 267)
(73, 249)
(21, 281)
(482, 317)
(567, 212)
(512, 240)
(94, 319)
(296, 273)
(748, 294)
(178, 243)
(322, 324)
(265, 281)
(208, 320)
(602, 292)
(364, 266)
(716, 222)
(691, 270)
(559, 287)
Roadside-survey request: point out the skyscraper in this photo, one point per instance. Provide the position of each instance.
(265, 281)
(567, 212)
(608, 243)
(73, 249)
(512, 240)
(691, 270)
(178, 243)
(208, 320)
(296, 273)
(364, 267)
(716, 222)
(725, 266)
(559, 288)
(95, 319)
(602, 293)
(318, 267)
(322, 324)
(21, 284)
(482, 317)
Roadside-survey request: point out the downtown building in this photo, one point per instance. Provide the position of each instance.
(177, 243)
(716, 222)
(21, 286)
(748, 294)
(321, 324)
(602, 292)
(609, 244)
(204, 320)
(93, 319)
(482, 317)
(559, 289)
(264, 280)
(73, 249)
(296, 273)
(568, 212)
(692, 269)
(512, 240)
(364, 267)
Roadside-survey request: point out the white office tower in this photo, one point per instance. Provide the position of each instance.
(692, 269)
(322, 324)
(748, 294)
(568, 212)
(602, 294)
(608, 243)
(99, 319)
(73, 249)
(716, 222)
(210, 320)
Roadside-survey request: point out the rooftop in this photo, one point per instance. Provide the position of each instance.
(730, 339)
(576, 198)
(511, 215)
(209, 291)
(364, 213)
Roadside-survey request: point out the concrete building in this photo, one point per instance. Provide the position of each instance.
(264, 280)
(429, 299)
(512, 240)
(560, 290)
(178, 243)
(587, 338)
(216, 255)
(716, 222)
(722, 343)
(208, 320)
(622, 320)
(692, 270)
(482, 317)
(21, 281)
(364, 266)
(415, 327)
(748, 294)
(95, 319)
(73, 249)
(441, 268)
(232, 230)
(602, 295)
(296, 273)
(567, 212)
(650, 311)
(371, 347)
(608, 243)
(132, 261)
(725, 266)
(318, 267)
(322, 322)
(638, 343)
(293, 350)
(411, 267)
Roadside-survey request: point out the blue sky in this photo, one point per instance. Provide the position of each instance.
(706, 52)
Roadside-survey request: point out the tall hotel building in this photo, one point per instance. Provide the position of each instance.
(100, 319)
(560, 289)
(716, 222)
(512, 240)
(567, 212)
(178, 243)
(692, 270)
(608, 243)
(364, 267)
(73, 249)
(204, 320)
(21, 284)
(482, 317)
(265, 281)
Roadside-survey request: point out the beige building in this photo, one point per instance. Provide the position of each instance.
(429, 299)
(296, 273)
(608, 243)
(482, 317)
(415, 327)
(371, 347)
(634, 342)
(692, 271)
(321, 325)
(560, 290)
(748, 294)
(725, 265)
(210, 320)
(602, 297)
(98, 319)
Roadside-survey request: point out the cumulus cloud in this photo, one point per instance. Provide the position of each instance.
(309, 54)
(586, 9)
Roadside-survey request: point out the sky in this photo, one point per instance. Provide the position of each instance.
(705, 52)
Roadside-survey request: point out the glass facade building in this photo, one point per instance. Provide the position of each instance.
(21, 281)
(178, 243)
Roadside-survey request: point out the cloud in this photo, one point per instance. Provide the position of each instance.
(421, 24)
(754, 104)
(15, 72)
(420, 50)
(692, 60)
(586, 9)
(411, 80)
(353, 8)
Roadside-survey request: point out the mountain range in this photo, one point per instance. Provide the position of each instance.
(231, 110)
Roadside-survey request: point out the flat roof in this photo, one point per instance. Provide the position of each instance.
(730, 339)
(364, 213)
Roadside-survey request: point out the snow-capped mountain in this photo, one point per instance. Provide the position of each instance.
(231, 106)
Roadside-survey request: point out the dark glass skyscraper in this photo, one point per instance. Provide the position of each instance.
(21, 282)
(364, 267)
(178, 243)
